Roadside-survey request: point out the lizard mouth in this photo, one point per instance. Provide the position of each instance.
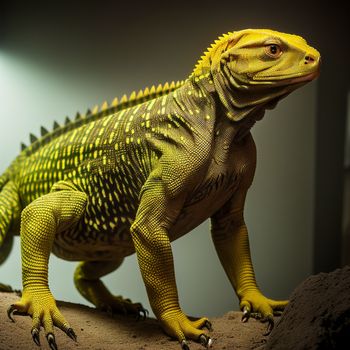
(305, 78)
(291, 78)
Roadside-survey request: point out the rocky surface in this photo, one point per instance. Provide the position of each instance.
(99, 331)
(318, 315)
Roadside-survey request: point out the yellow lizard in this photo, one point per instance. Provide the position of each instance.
(136, 175)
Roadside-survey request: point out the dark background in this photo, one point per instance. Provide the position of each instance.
(108, 46)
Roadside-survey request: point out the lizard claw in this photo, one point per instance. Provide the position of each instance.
(184, 345)
(142, 313)
(51, 340)
(270, 325)
(246, 314)
(208, 325)
(205, 340)
(71, 334)
(10, 312)
(35, 336)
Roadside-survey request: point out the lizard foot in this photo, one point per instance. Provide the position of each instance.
(117, 305)
(41, 306)
(178, 325)
(254, 304)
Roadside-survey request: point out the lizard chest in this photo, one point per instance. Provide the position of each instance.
(231, 166)
(206, 198)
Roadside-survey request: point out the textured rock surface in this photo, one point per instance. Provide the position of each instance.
(318, 315)
(99, 331)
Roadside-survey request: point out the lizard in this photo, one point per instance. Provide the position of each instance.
(133, 176)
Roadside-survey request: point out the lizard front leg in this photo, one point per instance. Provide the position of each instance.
(156, 214)
(230, 237)
(40, 221)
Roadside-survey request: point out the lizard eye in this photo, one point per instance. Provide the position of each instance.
(273, 50)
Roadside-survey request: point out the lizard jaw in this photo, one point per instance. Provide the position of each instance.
(305, 78)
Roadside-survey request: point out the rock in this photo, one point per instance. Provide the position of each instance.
(318, 315)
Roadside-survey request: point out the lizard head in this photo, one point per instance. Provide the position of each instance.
(255, 68)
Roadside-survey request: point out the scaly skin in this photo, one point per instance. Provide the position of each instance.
(137, 175)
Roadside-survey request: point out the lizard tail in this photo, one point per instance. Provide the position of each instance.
(8, 211)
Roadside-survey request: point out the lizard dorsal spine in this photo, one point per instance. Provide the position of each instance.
(97, 112)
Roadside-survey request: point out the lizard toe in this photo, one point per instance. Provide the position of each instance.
(119, 305)
(202, 323)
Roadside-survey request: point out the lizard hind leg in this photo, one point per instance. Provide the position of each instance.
(87, 280)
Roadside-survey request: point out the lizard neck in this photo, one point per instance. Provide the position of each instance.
(228, 121)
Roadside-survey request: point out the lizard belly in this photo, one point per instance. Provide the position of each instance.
(82, 243)
(93, 251)
(88, 241)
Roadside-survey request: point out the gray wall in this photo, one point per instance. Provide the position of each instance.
(54, 63)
